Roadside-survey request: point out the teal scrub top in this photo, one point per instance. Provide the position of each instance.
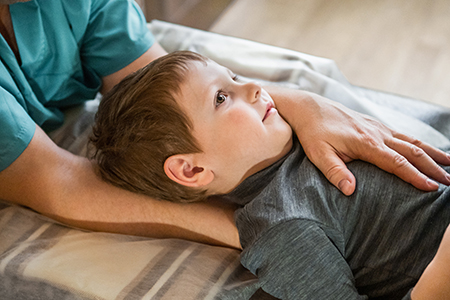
(66, 47)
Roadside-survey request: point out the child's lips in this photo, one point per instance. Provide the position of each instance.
(269, 110)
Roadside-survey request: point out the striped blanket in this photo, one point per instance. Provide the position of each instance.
(42, 259)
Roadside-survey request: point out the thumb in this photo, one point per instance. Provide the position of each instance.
(335, 170)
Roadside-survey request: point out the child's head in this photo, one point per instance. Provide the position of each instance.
(184, 128)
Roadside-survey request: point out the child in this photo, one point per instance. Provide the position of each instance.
(185, 128)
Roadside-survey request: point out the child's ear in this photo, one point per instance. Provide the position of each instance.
(182, 169)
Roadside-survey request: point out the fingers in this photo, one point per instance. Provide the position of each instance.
(420, 158)
(334, 169)
(437, 155)
(417, 176)
(411, 160)
(411, 164)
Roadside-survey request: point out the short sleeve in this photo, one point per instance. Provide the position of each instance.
(17, 129)
(116, 35)
(296, 260)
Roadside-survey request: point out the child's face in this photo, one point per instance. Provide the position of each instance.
(235, 123)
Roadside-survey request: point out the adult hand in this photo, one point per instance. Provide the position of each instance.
(333, 135)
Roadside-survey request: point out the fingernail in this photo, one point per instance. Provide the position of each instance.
(432, 184)
(344, 186)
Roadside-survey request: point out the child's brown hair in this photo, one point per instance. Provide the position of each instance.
(139, 125)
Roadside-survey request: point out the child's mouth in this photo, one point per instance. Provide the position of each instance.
(270, 109)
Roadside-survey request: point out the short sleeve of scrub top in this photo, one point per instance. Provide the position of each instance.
(66, 47)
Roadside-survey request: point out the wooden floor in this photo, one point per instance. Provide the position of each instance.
(400, 46)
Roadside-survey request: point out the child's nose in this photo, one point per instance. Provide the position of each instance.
(253, 91)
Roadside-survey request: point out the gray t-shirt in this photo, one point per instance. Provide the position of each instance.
(305, 240)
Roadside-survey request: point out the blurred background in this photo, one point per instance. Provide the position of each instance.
(398, 46)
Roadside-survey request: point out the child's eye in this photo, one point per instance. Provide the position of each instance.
(220, 98)
(236, 78)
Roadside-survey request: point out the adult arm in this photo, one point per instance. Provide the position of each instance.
(109, 81)
(332, 135)
(65, 187)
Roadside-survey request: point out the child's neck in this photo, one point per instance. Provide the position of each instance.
(226, 184)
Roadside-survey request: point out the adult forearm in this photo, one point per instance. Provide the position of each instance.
(65, 187)
(92, 204)
(293, 103)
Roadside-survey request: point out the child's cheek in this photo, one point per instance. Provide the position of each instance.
(244, 115)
